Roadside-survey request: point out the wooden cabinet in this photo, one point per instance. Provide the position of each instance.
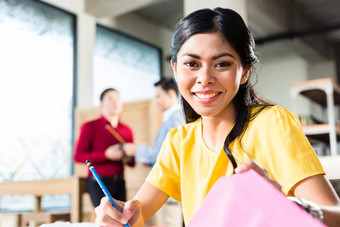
(326, 93)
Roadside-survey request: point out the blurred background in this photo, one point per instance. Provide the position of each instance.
(58, 55)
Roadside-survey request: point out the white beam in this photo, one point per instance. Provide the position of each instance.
(272, 17)
(193, 5)
(267, 17)
(107, 8)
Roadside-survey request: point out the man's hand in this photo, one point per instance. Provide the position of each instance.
(114, 153)
(130, 149)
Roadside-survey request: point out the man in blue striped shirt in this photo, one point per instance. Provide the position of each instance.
(167, 99)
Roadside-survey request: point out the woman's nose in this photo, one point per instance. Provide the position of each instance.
(205, 76)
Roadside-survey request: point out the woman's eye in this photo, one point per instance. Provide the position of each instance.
(223, 64)
(190, 64)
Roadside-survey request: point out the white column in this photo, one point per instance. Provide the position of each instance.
(86, 32)
(238, 5)
(331, 120)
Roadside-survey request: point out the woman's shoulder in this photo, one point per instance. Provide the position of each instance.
(271, 112)
(186, 128)
(270, 118)
(271, 122)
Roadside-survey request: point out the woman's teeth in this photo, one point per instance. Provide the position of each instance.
(206, 96)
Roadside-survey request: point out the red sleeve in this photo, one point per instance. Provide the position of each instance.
(83, 150)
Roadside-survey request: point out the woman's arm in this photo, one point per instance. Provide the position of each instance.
(137, 211)
(151, 198)
(319, 190)
(316, 189)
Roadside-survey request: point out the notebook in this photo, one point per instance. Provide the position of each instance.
(247, 199)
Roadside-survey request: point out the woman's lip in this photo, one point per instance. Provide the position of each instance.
(206, 92)
(206, 97)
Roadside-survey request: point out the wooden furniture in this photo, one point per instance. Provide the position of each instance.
(332, 169)
(326, 93)
(74, 186)
(9, 219)
(331, 166)
(43, 217)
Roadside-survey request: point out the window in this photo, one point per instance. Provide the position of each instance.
(36, 93)
(127, 64)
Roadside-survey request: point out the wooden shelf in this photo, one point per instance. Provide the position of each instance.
(320, 132)
(74, 186)
(325, 92)
(315, 90)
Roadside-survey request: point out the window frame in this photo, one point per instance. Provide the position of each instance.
(133, 38)
(74, 30)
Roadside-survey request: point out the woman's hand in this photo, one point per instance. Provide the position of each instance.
(130, 213)
(251, 164)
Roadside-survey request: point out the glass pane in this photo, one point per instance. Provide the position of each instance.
(129, 65)
(36, 89)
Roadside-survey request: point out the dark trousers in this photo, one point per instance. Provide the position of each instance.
(115, 185)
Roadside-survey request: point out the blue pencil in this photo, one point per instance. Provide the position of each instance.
(103, 187)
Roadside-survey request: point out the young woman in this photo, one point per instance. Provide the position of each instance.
(229, 128)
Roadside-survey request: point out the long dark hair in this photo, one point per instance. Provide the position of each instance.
(231, 25)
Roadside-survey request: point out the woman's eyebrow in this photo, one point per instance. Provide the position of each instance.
(213, 57)
(222, 55)
(191, 55)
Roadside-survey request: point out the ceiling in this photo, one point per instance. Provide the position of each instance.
(309, 28)
(166, 13)
(308, 25)
(322, 14)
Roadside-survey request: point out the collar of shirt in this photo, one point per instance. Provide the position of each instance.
(104, 120)
(170, 111)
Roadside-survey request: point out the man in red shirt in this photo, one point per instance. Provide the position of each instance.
(102, 142)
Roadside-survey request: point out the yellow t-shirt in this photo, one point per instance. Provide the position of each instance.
(186, 168)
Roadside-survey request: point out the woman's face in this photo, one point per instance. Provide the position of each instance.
(209, 72)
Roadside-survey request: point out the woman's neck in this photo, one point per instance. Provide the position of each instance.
(215, 130)
(113, 119)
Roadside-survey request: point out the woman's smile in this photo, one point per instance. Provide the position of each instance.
(206, 97)
(209, 72)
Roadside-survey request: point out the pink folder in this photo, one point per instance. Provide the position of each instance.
(248, 200)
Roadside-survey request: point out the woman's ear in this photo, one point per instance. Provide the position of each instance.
(245, 75)
(174, 68)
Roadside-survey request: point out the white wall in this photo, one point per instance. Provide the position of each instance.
(278, 69)
(130, 24)
(320, 70)
(323, 69)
